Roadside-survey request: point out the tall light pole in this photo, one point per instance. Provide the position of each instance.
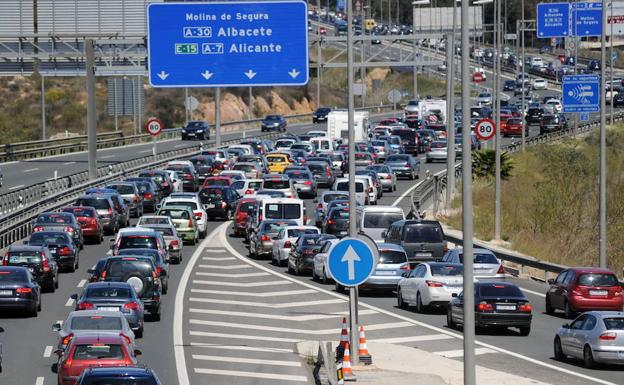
(523, 80)
(415, 4)
(450, 68)
(603, 143)
(497, 139)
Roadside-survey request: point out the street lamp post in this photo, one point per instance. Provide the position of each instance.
(415, 4)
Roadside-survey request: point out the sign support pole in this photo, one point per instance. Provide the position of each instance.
(218, 116)
(603, 144)
(497, 137)
(91, 118)
(469, 310)
(524, 72)
(154, 147)
(43, 109)
(450, 117)
(352, 202)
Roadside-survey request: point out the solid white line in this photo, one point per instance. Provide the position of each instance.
(223, 232)
(47, 352)
(39, 381)
(144, 151)
(225, 275)
(69, 302)
(16, 187)
(460, 352)
(227, 267)
(242, 337)
(218, 258)
(68, 163)
(214, 250)
(291, 318)
(282, 329)
(178, 145)
(242, 284)
(241, 347)
(409, 190)
(82, 283)
(256, 361)
(238, 373)
(253, 294)
(267, 305)
(533, 292)
(108, 156)
(399, 340)
(31, 169)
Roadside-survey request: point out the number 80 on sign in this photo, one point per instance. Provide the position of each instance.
(485, 129)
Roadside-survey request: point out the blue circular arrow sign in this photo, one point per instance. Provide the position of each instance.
(351, 262)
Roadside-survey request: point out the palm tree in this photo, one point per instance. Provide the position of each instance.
(484, 164)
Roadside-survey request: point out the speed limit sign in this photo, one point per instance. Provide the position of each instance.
(153, 127)
(485, 129)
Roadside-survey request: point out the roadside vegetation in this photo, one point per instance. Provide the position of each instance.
(550, 202)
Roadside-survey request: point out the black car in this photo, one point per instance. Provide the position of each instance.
(38, 261)
(273, 123)
(219, 201)
(534, 115)
(618, 100)
(162, 267)
(60, 221)
(205, 166)
(96, 272)
(105, 208)
(320, 115)
(118, 375)
(149, 190)
(509, 85)
(593, 65)
(196, 129)
(336, 222)
(18, 290)
(497, 305)
(553, 122)
(301, 257)
(140, 273)
(61, 246)
(123, 211)
(164, 183)
(190, 179)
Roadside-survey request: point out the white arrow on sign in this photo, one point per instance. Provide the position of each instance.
(294, 73)
(350, 257)
(207, 74)
(250, 74)
(163, 75)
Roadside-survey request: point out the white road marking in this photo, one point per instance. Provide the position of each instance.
(68, 163)
(460, 352)
(254, 294)
(16, 187)
(242, 337)
(533, 292)
(82, 283)
(31, 170)
(242, 284)
(108, 156)
(268, 305)
(280, 329)
(178, 145)
(39, 381)
(408, 191)
(400, 340)
(216, 251)
(293, 318)
(218, 258)
(224, 275)
(145, 151)
(69, 302)
(241, 347)
(246, 360)
(47, 352)
(227, 267)
(239, 373)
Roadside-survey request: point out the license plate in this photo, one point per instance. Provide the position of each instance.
(598, 292)
(108, 308)
(210, 206)
(52, 251)
(423, 254)
(505, 307)
(6, 292)
(31, 269)
(343, 233)
(386, 272)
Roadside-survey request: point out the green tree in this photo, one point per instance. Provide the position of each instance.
(484, 164)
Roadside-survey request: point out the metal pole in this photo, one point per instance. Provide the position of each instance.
(43, 109)
(497, 138)
(218, 116)
(611, 61)
(115, 102)
(134, 107)
(139, 110)
(250, 106)
(186, 106)
(523, 80)
(450, 116)
(91, 116)
(415, 68)
(354, 337)
(495, 66)
(318, 61)
(469, 310)
(603, 144)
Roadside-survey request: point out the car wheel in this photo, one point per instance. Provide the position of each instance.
(72, 268)
(33, 312)
(139, 333)
(252, 254)
(588, 358)
(559, 356)
(192, 241)
(449, 319)
(77, 260)
(549, 309)
(39, 304)
(156, 315)
(568, 311)
(314, 276)
(51, 286)
(525, 330)
(290, 269)
(400, 302)
(56, 283)
(420, 308)
(394, 188)
(324, 279)
(202, 234)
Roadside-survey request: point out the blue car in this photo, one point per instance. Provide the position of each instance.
(118, 375)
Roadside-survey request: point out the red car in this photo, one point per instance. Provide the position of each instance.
(513, 126)
(389, 121)
(243, 209)
(322, 31)
(580, 289)
(217, 181)
(88, 350)
(89, 221)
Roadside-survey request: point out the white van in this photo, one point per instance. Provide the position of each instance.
(373, 221)
(246, 148)
(283, 208)
(323, 144)
(361, 193)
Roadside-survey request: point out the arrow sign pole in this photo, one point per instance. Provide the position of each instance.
(350, 258)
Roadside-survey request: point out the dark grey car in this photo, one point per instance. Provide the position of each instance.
(109, 217)
(323, 173)
(404, 165)
(422, 240)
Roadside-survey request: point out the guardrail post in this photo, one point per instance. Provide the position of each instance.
(435, 195)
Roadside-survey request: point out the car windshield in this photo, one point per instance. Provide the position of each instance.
(310, 240)
(438, 145)
(13, 276)
(336, 157)
(122, 188)
(397, 158)
(175, 214)
(138, 242)
(298, 175)
(344, 186)
(446, 270)
(339, 214)
(95, 322)
(98, 204)
(597, 279)
(485, 258)
(244, 167)
(53, 218)
(275, 184)
(317, 168)
(283, 211)
(154, 221)
(195, 124)
(38, 239)
(80, 212)
(166, 231)
(392, 256)
(296, 233)
(272, 228)
(19, 257)
(98, 351)
(103, 380)
(423, 233)
(247, 207)
(381, 220)
(500, 291)
(332, 197)
(191, 205)
(614, 323)
(120, 268)
(108, 292)
(272, 117)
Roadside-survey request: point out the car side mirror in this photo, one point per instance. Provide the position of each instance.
(56, 327)
(137, 352)
(111, 243)
(384, 233)
(25, 242)
(1, 330)
(551, 281)
(454, 295)
(405, 274)
(74, 297)
(59, 352)
(91, 271)
(565, 326)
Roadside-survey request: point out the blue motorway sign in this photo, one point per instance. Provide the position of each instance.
(553, 20)
(581, 93)
(228, 44)
(351, 262)
(586, 19)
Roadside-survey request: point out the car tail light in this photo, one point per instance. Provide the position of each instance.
(154, 276)
(305, 219)
(175, 242)
(319, 206)
(148, 195)
(308, 251)
(618, 291)
(69, 229)
(249, 191)
(223, 205)
(190, 223)
(307, 183)
(85, 306)
(165, 184)
(331, 222)
(46, 263)
(103, 276)
(370, 190)
(501, 269)
(188, 177)
(125, 337)
(23, 290)
(608, 336)
(328, 172)
(265, 238)
(484, 306)
(135, 199)
(287, 244)
(65, 250)
(159, 270)
(525, 308)
(434, 283)
(131, 306)
(37, 228)
(197, 214)
(428, 149)
(5, 260)
(577, 291)
(405, 266)
(68, 338)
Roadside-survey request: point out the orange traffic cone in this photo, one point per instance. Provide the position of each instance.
(365, 356)
(344, 334)
(346, 363)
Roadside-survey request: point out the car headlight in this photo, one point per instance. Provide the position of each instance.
(184, 130)
(199, 131)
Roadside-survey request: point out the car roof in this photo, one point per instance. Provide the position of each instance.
(591, 270)
(13, 268)
(134, 371)
(389, 246)
(91, 313)
(381, 209)
(96, 337)
(108, 284)
(18, 247)
(476, 250)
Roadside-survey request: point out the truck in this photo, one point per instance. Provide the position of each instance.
(338, 126)
(432, 110)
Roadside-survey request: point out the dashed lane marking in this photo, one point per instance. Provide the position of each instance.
(242, 337)
(254, 294)
(107, 156)
(533, 292)
(216, 251)
(218, 258)
(460, 352)
(223, 275)
(82, 283)
(68, 163)
(241, 347)
(268, 305)
(399, 340)
(384, 326)
(47, 352)
(239, 373)
(246, 360)
(69, 302)
(39, 381)
(292, 318)
(31, 170)
(242, 284)
(226, 267)
(16, 187)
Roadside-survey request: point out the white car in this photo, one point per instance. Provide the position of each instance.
(234, 174)
(154, 220)
(484, 98)
(554, 105)
(181, 163)
(175, 180)
(319, 271)
(247, 186)
(539, 84)
(430, 284)
(370, 187)
(192, 201)
(285, 239)
(317, 133)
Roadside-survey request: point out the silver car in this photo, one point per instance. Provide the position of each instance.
(85, 321)
(437, 151)
(131, 195)
(484, 98)
(174, 242)
(594, 337)
(381, 148)
(387, 177)
(326, 198)
(390, 268)
(485, 263)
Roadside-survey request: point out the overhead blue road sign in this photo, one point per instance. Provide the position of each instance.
(351, 262)
(553, 20)
(586, 19)
(581, 93)
(228, 44)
